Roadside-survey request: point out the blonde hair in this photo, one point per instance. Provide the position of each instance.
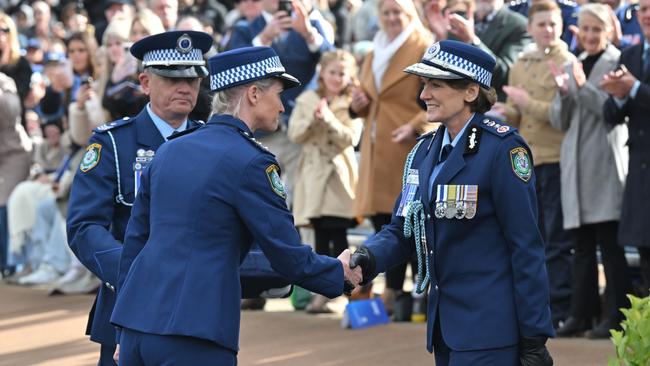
(228, 101)
(348, 62)
(149, 21)
(408, 7)
(120, 28)
(14, 46)
(598, 11)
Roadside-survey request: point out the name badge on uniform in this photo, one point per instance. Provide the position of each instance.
(408, 194)
(456, 201)
(142, 159)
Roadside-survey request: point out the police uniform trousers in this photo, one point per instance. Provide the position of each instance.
(106, 353)
(144, 349)
(445, 356)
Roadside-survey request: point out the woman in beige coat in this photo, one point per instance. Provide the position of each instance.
(15, 159)
(326, 175)
(389, 101)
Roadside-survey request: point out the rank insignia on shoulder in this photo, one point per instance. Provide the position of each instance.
(111, 125)
(272, 173)
(91, 157)
(521, 165)
(498, 129)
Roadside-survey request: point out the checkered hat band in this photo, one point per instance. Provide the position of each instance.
(171, 56)
(462, 66)
(242, 73)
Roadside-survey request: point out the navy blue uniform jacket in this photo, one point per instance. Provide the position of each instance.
(204, 199)
(488, 278)
(96, 221)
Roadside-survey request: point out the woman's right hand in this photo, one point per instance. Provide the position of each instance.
(83, 95)
(560, 76)
(359, 100)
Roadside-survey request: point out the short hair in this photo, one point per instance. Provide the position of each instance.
(598, 11)
(485, 99)
(543, 6)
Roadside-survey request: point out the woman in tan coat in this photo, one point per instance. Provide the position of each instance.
(388, 100)
(327, 171)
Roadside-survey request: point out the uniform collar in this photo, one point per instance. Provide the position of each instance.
(163, 127)
(446, 139)
(229, 120)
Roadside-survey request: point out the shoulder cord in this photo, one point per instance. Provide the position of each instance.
(119, 198)
(414, 223)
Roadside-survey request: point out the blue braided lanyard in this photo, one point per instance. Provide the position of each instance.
(414, 223)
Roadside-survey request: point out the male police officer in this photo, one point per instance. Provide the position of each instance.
(468, 210)
(108, 179)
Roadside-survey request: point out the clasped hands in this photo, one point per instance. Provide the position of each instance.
(357, 268)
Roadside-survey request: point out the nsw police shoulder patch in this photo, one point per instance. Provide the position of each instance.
(521, 165)
(91, 157)
(272, 173)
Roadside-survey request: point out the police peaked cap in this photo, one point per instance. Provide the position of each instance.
(449, 60)
(244, 65)
(174, 54)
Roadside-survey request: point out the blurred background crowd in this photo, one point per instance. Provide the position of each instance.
(65, 69)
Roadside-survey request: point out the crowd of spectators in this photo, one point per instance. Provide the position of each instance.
(65, 69)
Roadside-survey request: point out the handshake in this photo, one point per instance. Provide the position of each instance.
(355, 266)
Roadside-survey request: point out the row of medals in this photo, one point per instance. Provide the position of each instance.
(455, 207)
(143, 158)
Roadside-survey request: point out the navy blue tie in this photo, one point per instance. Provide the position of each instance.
(446, 150)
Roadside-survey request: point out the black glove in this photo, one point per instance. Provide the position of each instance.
(533, 352)
(364, 258)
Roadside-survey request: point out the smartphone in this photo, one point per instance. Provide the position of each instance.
(461, 13)
(87, 80)
(286, 5)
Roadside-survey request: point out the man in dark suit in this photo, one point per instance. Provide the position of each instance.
(298, 40)
(498, 31)
(629, 87)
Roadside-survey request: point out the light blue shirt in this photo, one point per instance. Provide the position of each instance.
(163, 127)
(635, 88)
(445, 141)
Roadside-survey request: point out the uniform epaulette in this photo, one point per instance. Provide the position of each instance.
(431, 134)
(112, 125)
(496, 127)
(514, 3)
(249, 137)
(629, 12)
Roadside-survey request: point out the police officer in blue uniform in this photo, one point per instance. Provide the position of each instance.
(632, 33)
(200, 207)
(109, 176)
(468, 210)
(569, 16)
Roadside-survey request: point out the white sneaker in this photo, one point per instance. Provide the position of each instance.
(44, 274)
(71, 275)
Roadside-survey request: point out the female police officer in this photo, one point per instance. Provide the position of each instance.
(468, 210)
(203, 200)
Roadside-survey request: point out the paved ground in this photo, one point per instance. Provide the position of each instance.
(39, 330)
